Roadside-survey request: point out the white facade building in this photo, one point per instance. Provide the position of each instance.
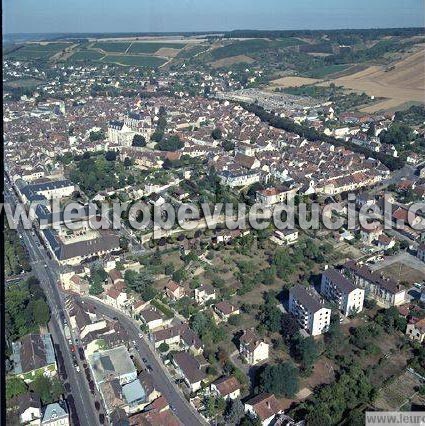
(338, 289)
(309, 310)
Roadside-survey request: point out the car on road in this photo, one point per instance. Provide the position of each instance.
(148, 367)
(77, 368)
(81, 353)
(418, 285)
(141, 335)
(144, 360)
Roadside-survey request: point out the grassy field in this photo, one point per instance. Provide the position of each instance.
(146, 47)
(137, 61)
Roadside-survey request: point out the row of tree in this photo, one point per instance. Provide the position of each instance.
(313, 135)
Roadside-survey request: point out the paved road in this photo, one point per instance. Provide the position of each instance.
(183, 410)
(48, 278)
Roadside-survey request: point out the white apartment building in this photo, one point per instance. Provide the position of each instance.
(338, 289)
(309, 310)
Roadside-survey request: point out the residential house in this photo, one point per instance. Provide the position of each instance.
(225, 310)
(309, 310)
(115, 362)
(226, 387)
(369, 235)
(178, 337)
(416, 330)
(275, 195)
(32, 355)
(83, 318)
(156, 413)
(338, 289)
(190, 369)
(152, 318)
(115, 277)
(78, 284)
(384, 242)
(173, 290)
(252, 348)
(285, 237)
(265, 406)
(29, 406)
(204, 293)
(55, 414)
(116, 297)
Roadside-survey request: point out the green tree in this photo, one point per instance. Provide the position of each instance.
(138, 140)
(250, 420)
(163, 347)
(280, 379)
(41, 312)
(234, 412)
(216, 134)
(14, 387)
(49, 389)
(110, 155)
(306, 352)
(319, 416)
(173, 143)
(289, 327)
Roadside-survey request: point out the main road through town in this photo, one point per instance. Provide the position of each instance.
(48, 277)
(46, 271)
(161, 380)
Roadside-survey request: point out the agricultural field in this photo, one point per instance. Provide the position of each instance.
(393, 396)
(400, 83)
(86, 55)
(247, 47)
(107, 46)
(152, 47)
(292, 81)
(225, 62)
(133, 60)
(326, 70)
(37, 51)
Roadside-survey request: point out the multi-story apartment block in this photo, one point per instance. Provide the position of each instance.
(309, 310)
(338, 289)
(386, 291)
